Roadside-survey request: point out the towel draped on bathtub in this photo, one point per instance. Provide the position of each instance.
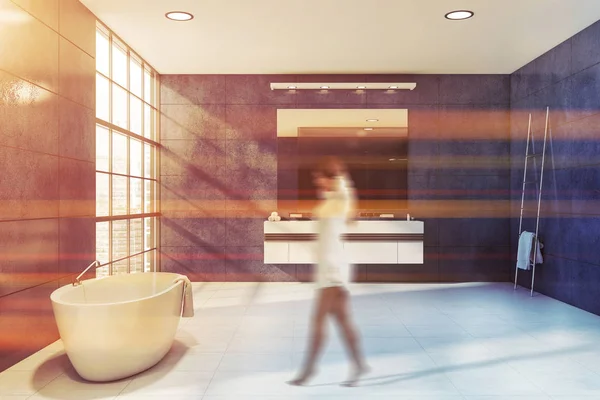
(188, 297)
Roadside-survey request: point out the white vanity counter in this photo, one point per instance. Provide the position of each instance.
(367, 242)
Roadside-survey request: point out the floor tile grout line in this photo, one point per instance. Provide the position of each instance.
(444, 373)
(224, 352)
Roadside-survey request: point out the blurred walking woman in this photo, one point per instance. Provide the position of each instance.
(333, 271)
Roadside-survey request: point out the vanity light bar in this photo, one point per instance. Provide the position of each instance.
(343, 85)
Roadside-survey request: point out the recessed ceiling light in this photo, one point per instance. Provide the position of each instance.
(393, 87)
(179, 16)
(291, 87)
(372, 120)
(361, 87)
(368, 129)
(324, 87)
(459, 15)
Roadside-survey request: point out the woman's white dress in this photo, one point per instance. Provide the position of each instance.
(333, 267)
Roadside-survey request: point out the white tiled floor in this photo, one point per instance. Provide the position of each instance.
(423, 342)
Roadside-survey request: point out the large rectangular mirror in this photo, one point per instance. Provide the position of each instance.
(373, 144)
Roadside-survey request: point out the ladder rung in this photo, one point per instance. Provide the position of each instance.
(533, 155)
(528, 182)
(529, 209)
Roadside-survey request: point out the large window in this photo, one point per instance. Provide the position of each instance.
(126, 158)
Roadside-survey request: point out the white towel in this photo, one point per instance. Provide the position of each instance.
(525, 257)
(188, 297)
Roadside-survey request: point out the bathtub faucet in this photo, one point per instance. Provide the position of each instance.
(77, 282)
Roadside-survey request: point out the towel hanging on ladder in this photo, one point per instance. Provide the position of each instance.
(525, 252)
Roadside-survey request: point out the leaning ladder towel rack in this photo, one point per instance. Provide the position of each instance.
(533, 156)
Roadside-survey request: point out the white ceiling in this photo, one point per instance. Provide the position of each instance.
(343, 36)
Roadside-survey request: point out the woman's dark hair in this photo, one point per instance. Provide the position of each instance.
(331, 167)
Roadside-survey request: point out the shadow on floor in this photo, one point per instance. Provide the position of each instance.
(62, 362)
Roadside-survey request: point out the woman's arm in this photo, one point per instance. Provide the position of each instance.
(348, 195)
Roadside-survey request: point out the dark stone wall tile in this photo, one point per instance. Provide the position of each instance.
(426, 92)
(198, 263)
(305, 272)
(572, 237)
(585, 282)
(192, 89)
(77, 75)
(585, 43)
(33, 49)
(579, 142)
(77, 244)
(248, 184)
(475, 157)
(471, 187)
(185, 231)
(251, 168)
(474, 232)
(183, 157)
(77, 188)
(555, 65)
(256, 90)
(251, 122)
(421, 186)
(29, 115)
(474, 123)
(29, 185)
(191, 122)
(474, 264)
(432, 234)
(244, 232)
(17, 342)
(554, 278)
(256, 155)
(423, 122)
(29, 251)
(584, 98)
(557, 195)
(200, 193)
(559, 98)
(483, 147)
(77, 131)
(78, 25)
(475, 89)
(584, 185)
(46, 11)
(519, 82)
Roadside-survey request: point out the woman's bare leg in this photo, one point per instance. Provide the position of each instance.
(341, 311)
(317, 335)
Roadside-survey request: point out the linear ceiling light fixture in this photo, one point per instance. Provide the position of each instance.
(459, 15)
(179, 16)
(343, 85)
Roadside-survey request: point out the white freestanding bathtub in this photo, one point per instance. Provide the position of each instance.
(118, 326)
